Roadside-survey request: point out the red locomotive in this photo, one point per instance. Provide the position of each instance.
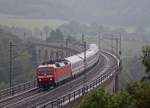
(50, 74)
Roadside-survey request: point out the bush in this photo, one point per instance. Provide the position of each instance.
(134, 95)
(98, 97)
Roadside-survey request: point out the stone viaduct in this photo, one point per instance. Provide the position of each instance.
(60, 49)
(55, 50)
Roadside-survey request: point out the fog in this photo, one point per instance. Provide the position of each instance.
(25, 21)
(111, 12)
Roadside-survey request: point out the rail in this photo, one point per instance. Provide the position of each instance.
(16, 89)
(58, 103)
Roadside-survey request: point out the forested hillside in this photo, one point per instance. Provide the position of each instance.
(22, 66)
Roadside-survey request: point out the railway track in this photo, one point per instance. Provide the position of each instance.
(111, 66)
(9, 100)
(37, 98)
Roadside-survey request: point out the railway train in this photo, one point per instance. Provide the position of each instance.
(51, 74)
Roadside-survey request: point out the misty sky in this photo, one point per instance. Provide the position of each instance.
(114, 12)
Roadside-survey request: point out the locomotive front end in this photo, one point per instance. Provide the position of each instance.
(45, 76)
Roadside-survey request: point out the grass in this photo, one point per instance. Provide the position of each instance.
(21, 22)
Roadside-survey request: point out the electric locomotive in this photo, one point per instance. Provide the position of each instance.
(52, 73)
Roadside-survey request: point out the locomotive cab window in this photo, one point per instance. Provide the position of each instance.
(46, 70)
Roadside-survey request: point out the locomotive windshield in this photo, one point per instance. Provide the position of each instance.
(45, 70)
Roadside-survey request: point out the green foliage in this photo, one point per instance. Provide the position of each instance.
(95, 99)
(122, 99)
(134, 95)
(146, 58)
(3, 85)
(71, 39)
(22, 62)
(22, 66)
(76, 28)
(30, 47)
(4, 53)
(140, 91)
(56, 35)
(71, 28)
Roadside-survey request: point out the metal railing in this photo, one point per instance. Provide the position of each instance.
(18, 88)
(58, 103)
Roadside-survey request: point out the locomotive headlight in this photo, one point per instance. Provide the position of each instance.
(40, 79)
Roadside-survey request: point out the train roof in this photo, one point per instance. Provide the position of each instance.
(91, 51)
(73, 59)
(56, 63)
(46, 65)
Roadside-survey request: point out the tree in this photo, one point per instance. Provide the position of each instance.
(133, 95)
(56, 35)
(72, 27)
(121, 99)
(146, 58)
(71, 39)
(59, 34)
(46, 30)
(140, 91)
(98, 98)
(22, 66)
(52, 36)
